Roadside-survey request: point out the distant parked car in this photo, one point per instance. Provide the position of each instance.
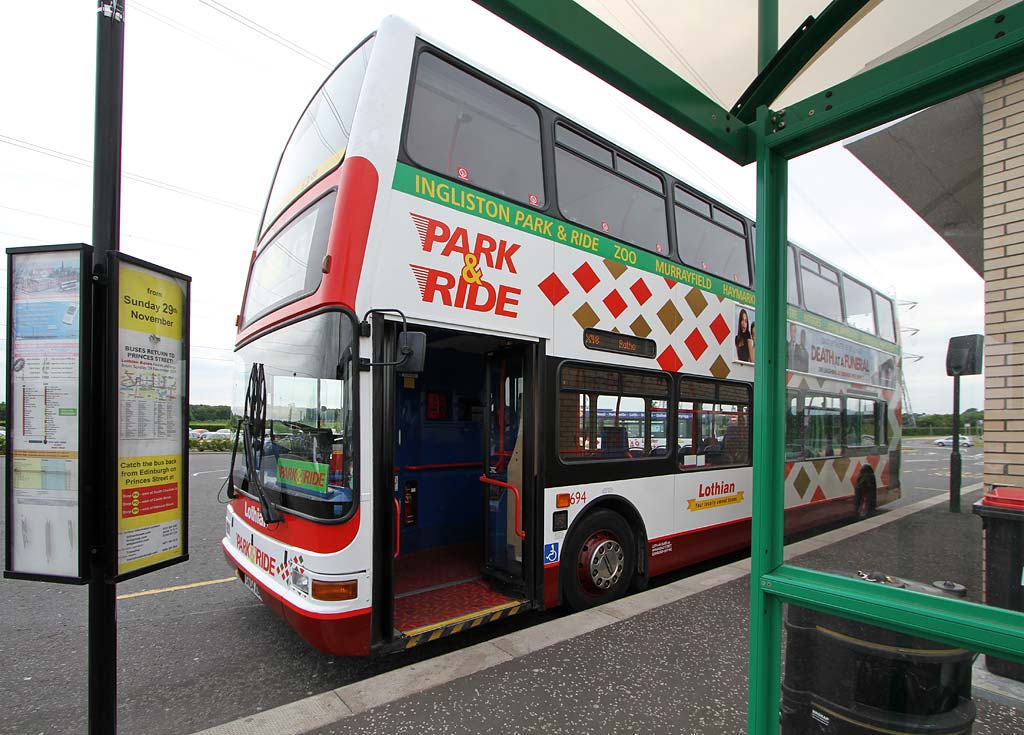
(220, 434)
(965, 441)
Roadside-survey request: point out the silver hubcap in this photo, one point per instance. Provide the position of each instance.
(607, 563)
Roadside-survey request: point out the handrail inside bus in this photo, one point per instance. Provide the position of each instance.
(487, 480)
(398, 527)
(445, 466)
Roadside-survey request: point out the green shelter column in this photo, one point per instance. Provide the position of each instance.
(769, 434)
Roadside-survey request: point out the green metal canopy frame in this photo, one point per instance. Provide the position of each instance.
(970, 57)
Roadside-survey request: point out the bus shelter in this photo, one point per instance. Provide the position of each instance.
(930, 96)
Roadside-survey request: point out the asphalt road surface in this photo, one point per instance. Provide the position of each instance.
(195, 649)
(925, 470)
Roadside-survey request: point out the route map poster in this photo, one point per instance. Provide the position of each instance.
(44, 362)
(151, 374)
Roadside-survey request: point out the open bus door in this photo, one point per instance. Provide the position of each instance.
(453, 508)
(505, 444)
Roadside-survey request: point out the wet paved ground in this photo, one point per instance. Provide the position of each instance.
(680, 668)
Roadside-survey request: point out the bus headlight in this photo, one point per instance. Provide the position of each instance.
(299, 582)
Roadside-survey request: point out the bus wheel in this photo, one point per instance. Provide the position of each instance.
(599, 560)
(865, 497)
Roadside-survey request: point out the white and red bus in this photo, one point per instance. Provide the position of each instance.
(581, 419)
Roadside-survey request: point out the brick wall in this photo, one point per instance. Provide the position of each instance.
(1003, 191)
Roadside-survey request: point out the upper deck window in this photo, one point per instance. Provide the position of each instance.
(710, 238)
(792, 289)
(320, 138)
(290, 266)
(606, 200)
(860, 309)
(638, 174)
(461, 126)
(886, 318)
(821, 289)
(590, 149)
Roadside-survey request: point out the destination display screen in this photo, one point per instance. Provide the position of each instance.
(596, 339)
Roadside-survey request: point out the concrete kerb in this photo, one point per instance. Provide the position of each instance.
(324, 709)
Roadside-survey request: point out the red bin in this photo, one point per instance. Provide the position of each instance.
(1002, 516)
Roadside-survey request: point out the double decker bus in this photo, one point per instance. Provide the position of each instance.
(491, 361)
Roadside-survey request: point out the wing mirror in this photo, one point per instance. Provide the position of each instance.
(412, 351)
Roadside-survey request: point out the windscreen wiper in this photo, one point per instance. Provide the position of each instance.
(252, 434)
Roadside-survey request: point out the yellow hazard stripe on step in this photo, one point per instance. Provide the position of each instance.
(458, 624)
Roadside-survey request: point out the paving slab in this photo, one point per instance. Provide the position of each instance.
(669, 660)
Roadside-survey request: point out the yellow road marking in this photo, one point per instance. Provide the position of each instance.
(176, 588)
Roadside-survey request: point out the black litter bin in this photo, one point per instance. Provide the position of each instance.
(844, 677)
(1002, 517)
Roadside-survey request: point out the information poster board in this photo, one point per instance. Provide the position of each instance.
(45, 361)
(151, 374)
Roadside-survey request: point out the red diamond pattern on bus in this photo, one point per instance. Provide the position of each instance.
(855, 475)
(669, 360)
(640, 291)
(720, 328)
(671, 283)
(586, 277)
(819, 495)
(615, 303)
(553, 288)
(696, 344)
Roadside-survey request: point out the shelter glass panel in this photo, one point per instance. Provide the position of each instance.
(871, 428)
(842, 675)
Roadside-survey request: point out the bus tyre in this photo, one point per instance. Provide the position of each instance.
(866, 496)
(598, 561)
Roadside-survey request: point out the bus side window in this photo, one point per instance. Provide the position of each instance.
(794, 427)
(610, 414)
(714, 431)
(823, 426)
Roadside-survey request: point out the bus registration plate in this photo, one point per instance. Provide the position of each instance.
(252, 586)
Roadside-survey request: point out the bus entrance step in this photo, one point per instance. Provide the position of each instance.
(452, 626)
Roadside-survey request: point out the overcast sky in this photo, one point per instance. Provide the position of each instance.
(209, 100)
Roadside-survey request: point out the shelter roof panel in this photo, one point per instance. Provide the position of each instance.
(690, 62)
